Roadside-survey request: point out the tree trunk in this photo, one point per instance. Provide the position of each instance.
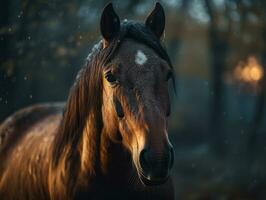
(218, 50)
(260, 104)
(6, 86)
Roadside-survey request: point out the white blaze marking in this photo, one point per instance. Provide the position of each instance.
(140, 58)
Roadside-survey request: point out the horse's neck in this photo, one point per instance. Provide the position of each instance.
(105, 161)
(118, 174)
(115, 160)
(104, 157)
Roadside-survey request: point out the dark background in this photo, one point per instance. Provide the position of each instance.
(219, 54)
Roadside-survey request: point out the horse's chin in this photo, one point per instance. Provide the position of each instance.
(152, 181)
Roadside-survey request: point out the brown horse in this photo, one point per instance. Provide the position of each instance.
(110, 141)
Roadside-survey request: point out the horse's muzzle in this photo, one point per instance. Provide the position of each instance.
(155, 167)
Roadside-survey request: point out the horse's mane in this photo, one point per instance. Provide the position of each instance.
(85, 97)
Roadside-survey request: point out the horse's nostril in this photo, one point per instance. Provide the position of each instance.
(143, 159)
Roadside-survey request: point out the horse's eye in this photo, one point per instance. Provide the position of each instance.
(110, 77)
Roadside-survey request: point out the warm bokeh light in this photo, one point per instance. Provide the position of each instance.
(250, 71)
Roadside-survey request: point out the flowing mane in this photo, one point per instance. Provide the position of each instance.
(85, 98)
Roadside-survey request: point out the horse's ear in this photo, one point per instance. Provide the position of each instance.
(156, 20)
(110, 24)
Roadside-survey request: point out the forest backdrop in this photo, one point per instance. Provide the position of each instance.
(218, 48)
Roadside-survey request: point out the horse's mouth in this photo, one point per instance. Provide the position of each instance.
(152, 181)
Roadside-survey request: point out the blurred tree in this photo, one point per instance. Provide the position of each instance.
(174, 41)
(259, 7)
(218, 50)
(7, 66)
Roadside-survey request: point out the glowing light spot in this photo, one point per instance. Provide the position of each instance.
(250, 71)
(256, 73)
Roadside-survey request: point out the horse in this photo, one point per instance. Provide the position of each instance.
(109, 140)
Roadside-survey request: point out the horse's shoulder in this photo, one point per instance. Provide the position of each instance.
(21, 120)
